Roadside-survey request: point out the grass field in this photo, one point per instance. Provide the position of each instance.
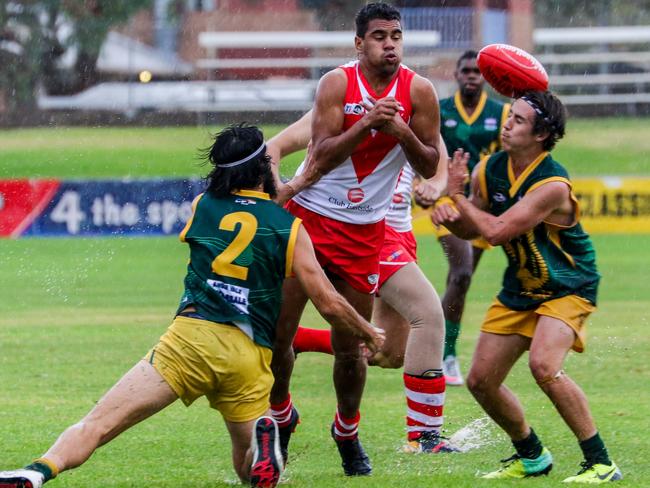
(77, 313)
(591, 147)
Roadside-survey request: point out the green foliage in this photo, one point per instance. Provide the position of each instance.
(37, 32)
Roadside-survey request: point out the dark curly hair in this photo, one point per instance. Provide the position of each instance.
(469, 54)
(232, 144)
(550, 116)
(374, 11)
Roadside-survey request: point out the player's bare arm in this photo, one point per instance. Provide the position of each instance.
(427, 191)
(330, 304)
(550, 202)
(291, 139)
(331, 146)
(419, 139)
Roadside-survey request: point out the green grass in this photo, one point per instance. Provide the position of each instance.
(591, 147)
(77, 313)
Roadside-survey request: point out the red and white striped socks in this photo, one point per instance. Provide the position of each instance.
(346, 429)
(425, 399)
(281, 412)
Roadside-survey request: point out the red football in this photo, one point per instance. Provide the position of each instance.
(511, 70)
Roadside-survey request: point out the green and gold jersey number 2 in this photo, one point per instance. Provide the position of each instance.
(223, 264)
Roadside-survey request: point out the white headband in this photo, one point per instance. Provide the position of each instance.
(242, 161)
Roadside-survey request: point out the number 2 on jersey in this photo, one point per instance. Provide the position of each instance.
(223, 263)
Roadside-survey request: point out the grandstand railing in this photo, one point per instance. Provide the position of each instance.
(326, 48)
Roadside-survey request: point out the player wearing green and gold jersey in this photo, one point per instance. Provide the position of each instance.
(522, 200)
(219, 345)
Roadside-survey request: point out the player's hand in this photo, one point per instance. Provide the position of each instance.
(310, 175)
(379, 112)
(427, 192)
(374, 342)
(444, 213)
(458, 174)
(395, 127)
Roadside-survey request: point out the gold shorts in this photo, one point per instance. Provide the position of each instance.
(571, 309)
(441, 231)
(199, 357)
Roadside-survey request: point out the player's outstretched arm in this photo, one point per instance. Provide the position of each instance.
(291, 139)
(427, 191)
(330, 304)
(295, 138)
(549, 202)
(447, 214)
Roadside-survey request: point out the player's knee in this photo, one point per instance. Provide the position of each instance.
(543, 371)
(477, 383)
(348, 356)
(461, 278)
(392, 361)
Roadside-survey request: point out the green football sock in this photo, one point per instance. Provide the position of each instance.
(452, 330)
(530, 447)
(595, 451)
(44, 466)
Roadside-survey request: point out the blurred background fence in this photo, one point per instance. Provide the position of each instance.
(198, 61)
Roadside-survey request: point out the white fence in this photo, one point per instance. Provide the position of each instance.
(597, 66)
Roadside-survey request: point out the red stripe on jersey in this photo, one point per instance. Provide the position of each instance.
(374, 148)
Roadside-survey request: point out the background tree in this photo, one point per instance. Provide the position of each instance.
(36, 35)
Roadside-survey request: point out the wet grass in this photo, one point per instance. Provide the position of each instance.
(77, 313)
(591, 147)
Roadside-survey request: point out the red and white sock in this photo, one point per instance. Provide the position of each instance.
(346, 429)
(313, 340)
(425, 399)
(281, 412)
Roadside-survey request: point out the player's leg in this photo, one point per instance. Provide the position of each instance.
(397, 330)
(136, 396)
(349, 363)
(493, 359)
(411, 294)
(312, 340)
(552, 340)
(285, 414)
(256, 454)
(140, 393)
(477, 254)
(349, 380)
(459, 277)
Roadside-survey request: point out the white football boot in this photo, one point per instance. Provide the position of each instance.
(451, 370)
(21, 478)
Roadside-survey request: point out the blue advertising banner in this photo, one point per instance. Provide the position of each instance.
(117, 207)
